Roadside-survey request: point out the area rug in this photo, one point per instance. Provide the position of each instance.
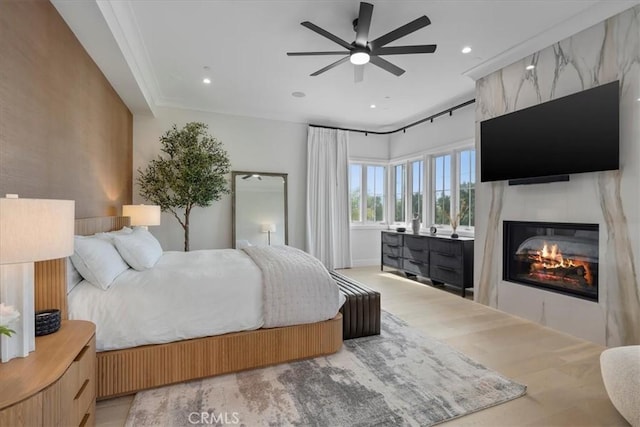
(398, 378)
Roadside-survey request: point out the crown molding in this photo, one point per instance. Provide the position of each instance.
(122, 23)
(567, 28)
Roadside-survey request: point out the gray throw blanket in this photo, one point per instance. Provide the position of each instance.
(297, 287)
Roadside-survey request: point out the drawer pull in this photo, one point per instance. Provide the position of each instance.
(84, 420)
(445, 254)
(416, 262)
(82, 352)
(392, 256)
(391, 245)
(453, 270)
(416, 250)
(79, 393)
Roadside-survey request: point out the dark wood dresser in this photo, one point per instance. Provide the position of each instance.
(439, 258)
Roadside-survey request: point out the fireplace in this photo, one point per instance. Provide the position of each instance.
(558, 257)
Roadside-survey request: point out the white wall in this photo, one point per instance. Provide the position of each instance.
(276, 146)
(253, 145)
(444, 132)
(370, 146)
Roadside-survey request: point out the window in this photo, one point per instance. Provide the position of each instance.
(355, 193)
(442, 189)
(399, 194)
(417, 178)
(375, 194)
(467, 192)
(367, 192)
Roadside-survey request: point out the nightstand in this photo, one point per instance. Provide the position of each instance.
(56, 384)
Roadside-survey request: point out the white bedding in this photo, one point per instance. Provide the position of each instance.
(174, 300)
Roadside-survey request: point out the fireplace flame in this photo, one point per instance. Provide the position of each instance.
(550, 259)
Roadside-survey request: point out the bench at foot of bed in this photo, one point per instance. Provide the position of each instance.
(361, 310)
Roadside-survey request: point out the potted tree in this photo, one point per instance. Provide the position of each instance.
(191, 171)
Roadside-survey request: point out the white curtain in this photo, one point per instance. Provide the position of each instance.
(328, 237)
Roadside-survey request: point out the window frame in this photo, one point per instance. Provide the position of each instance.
(364, 163)
(428, 181)
(465, 228)
(392, 186)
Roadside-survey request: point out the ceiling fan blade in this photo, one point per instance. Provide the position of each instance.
(330, 66)
(399, 32)
(401, 50)
(364, 23)
(358, 73)
(327, 34)
(386, 65)
(342, 52)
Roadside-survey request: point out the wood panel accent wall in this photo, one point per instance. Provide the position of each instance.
(50, 281)
(50, 286)
(64, 132)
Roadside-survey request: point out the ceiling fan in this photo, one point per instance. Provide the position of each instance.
(363, 50)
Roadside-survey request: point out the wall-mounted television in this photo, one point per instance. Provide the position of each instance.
(574, 134)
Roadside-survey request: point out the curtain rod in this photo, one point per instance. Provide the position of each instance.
(403, 128)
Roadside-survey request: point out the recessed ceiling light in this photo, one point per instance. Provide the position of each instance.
(298, 94)
(372, 106)
(638, 99)
(466, 49)
(530, 67)
(206, 80)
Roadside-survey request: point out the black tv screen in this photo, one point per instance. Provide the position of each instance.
(574, 134)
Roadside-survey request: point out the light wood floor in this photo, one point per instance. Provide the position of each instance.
(562, 373)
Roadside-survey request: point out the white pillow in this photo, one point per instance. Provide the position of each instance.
(111, 234)
(73, 276)
(97, 261)
(139, 249)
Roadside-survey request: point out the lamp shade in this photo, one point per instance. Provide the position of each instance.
(35, 229)
(142, 214)
(268, 228)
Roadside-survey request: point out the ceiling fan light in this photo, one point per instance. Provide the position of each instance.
(359, 58)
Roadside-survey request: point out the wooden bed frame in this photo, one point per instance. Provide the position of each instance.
(121, 372)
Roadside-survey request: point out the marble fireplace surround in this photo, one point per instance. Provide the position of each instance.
(606, 52)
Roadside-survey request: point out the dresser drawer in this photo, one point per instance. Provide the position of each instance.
(392, 250)
(89, 418)
(446, 274)
(78, 386)
(392, 239)
(444, 260)
(418, 268)
(391, 261)
(443, 246)
(416, 254)
(85, 397)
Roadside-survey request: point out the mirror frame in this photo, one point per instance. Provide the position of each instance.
(233, 202)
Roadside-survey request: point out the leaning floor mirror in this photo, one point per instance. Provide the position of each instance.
(259, 208)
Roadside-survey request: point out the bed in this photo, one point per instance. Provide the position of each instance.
(128, 370)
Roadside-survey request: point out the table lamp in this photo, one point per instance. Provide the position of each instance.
(30, 230)
(142, 215)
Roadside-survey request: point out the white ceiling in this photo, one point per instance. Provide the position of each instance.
(153, 53)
